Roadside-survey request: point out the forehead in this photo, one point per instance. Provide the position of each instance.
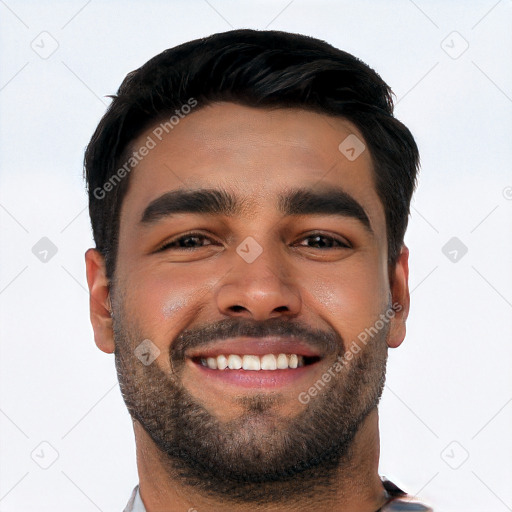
(255, 153)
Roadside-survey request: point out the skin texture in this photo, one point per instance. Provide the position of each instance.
(328, 295)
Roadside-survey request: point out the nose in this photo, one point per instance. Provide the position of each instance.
(258, 290)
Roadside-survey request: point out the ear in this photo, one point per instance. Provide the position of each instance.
(400, 300)
(99, 301)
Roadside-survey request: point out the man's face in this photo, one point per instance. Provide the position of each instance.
(294, 263)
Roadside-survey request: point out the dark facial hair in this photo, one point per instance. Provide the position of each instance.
(259, 457)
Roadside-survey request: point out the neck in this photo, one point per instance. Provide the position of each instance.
(358, 487)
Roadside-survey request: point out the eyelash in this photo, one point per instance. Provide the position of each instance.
(169, 245)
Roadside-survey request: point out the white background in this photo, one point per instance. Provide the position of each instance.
(449, 388)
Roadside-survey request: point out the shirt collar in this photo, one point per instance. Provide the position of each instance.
(135, 504)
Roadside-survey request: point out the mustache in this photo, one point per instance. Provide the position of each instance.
(325, 341)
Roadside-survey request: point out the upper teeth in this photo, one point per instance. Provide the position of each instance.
(251, 362)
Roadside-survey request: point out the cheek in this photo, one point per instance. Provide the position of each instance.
(163, 303)
(349, 297)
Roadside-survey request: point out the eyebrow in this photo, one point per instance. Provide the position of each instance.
(329, 201)
(298, 201)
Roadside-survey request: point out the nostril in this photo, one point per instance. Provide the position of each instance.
(237, 309)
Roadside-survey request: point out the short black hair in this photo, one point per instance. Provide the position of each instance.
(262, 69)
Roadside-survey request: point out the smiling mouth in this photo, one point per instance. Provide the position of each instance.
(267, 363)
(251, 362)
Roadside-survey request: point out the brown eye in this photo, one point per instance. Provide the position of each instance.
(325, 242)
(186, 242)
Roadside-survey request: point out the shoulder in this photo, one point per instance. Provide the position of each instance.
(400, 501)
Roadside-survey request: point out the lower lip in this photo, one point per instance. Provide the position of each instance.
(260, 379)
